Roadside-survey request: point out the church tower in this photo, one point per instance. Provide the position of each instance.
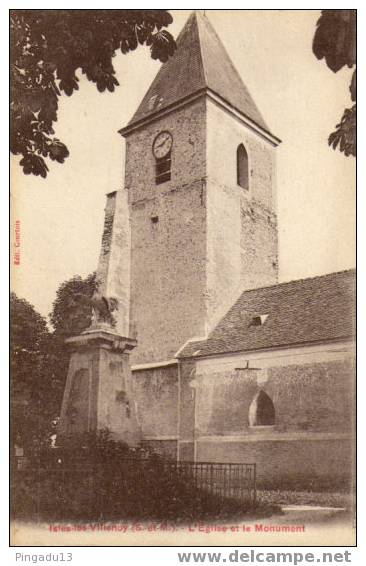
(200, 176)
(194, 226)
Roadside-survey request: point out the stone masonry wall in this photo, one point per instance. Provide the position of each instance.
(198, 240)
(168, 221)
(289, 461)
(98, 393)
(188, 128)
(113, 273)
(310, 397)
(156, 396)
(116, 402)
(187, 407)
(224, 134)
(313, 431)
(242, 224)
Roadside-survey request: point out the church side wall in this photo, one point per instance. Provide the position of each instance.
(313, 396)
(297, 462)
(156, 395)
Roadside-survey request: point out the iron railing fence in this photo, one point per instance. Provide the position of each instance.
(223, 480)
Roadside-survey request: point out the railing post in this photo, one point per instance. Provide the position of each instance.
(254, 483)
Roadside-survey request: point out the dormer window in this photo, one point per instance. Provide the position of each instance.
(242, 168)
(258, 320)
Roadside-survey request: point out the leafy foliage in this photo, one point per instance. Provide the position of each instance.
(48, 47)
(345, 133)
(335, 41)
(72, 308)
(40, 358)
(71, 315)
(29, 338)
(335, 38)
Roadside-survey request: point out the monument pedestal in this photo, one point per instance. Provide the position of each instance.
(98, 391)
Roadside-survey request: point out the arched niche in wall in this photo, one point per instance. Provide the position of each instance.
(261, 410)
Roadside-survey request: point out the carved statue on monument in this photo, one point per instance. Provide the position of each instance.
(103, 309)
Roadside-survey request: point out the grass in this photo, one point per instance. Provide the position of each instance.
(298, 497)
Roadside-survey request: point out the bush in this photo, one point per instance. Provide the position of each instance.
(93, 477)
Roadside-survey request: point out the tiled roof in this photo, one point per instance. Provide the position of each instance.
(303, 311)
(200, 62)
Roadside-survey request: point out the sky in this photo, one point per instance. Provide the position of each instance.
(61, 217)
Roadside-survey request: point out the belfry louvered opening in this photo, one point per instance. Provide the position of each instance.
(163, 168)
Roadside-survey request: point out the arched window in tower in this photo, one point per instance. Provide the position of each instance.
(242, 170)
(261, 410)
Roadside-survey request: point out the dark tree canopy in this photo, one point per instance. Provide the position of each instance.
(335, 41)
(71, 315)
(48, 47)
(39, 358)
(72, 308)
(28, 334)
(28, 344)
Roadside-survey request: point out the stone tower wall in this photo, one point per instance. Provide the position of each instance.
(198, 240)
(168, 262)
(242, 224)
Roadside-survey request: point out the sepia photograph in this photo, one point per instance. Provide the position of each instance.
(183, 253)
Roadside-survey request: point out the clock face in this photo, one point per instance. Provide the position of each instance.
(162, 144)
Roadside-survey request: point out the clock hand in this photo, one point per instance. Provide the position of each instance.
(161, 143)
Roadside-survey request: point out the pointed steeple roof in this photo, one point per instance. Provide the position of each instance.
(200, 63)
